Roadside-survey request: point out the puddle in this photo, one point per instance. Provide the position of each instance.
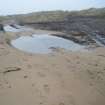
(16, 28)
(44, 44)
(9, 28)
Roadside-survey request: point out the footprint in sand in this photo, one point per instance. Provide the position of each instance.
(41, 74)
(61, 103)
(1, 86)
(25, 76)
(46, 88)
(29, 66)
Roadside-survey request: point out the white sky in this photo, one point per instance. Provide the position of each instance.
(26, 6)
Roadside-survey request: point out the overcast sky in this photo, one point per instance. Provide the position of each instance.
(26, 6)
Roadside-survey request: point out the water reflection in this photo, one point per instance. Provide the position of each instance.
(44, 44)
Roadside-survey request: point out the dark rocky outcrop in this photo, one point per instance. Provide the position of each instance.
(80, 29)
(2, 27)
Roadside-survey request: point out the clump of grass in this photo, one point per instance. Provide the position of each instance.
(8, 38)
(8, 41)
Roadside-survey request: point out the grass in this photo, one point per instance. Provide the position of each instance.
(49, 16)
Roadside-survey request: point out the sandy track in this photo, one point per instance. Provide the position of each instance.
(62, 78)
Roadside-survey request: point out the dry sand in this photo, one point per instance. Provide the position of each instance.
(61, 78)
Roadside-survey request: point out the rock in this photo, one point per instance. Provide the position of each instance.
(2, 27)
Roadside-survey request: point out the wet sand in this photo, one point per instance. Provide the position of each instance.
(60, 78)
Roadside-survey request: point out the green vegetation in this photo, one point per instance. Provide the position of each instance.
(43, 16)
(2, 18)
(59, 15)
(55, 15)
(100, 12)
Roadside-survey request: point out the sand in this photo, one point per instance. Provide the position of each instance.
(60, 78)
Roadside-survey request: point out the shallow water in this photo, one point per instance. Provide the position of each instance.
(18, 28)
(44, 44)
(8, 28)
